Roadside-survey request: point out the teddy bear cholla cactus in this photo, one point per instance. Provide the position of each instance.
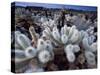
(90, 49)
(71, 37)
(44, 47)
(25, 51)
(70, 50)
(23, 47)
(68, 37)
(45, 50)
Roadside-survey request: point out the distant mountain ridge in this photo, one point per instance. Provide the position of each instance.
(56, 6)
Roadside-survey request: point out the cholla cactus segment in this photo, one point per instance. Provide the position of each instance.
(19, 53)
(82, 34)
(69, 48)
(45, 45)
(62, 31)
(65, 29)
(48, 45)
(91, 62)
(93, 47)
(75, 36)
(70, 56)
(32, 32)
(90, 30)
(69, 53)
(16, 33)
(89, 44)
(64, 38)
(91, 39)
(44, 56)
(17, 46)
(46, 33)
(90, 57)
(76, 48)
(85, 43)
(71, 31)
(30, 52)
(68, 29)
(56, 34)
(52, 23)
(40, 44)
(23, 41)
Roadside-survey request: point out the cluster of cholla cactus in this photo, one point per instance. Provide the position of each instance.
(42, 48)
(54, 48)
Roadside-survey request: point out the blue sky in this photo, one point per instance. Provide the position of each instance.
(89, 8)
